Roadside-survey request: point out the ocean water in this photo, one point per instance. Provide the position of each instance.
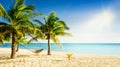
(82, 48)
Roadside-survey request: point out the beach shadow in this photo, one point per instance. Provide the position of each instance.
(21, 56)
(4, 56)
(7, 56)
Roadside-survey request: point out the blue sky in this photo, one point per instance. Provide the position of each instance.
(90, 21)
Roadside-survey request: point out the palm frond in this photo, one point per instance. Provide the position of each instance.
(52, 14)
(3, 23)
(61, 23)
(56, 40)
(40, 34)
(7, 36)
(58, 29)
(26, 23)
(21, 40)
(46, 19)
(28, 8)
(18, 3)
(63, 34)
(1, 41)
(39, 22)
(6, 28)
(19, 33)
(4, 13)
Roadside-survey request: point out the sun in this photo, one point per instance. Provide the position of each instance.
(107, 17)
(103, 19)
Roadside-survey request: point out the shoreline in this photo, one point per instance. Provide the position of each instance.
(30, 51)
(26, 58)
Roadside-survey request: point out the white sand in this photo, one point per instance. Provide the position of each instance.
(25, 58)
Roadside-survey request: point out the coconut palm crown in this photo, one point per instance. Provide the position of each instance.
(18, 24)
(53, 28)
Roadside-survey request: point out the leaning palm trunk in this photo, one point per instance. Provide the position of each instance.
(18, 46)
(49, 50)
(13, 47)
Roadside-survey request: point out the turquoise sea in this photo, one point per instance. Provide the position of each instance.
(82, 48)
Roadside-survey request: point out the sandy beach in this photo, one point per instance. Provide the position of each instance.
(26, 58)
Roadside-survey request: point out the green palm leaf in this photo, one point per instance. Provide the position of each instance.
(39, 22)
(4, 13)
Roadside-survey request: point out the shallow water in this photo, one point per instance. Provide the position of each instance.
(83, 48)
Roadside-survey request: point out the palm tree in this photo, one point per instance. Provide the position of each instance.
(53, 28)
(18, 24)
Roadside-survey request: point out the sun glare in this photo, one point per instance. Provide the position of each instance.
(108, 17)
(96, 26)
(100, 21)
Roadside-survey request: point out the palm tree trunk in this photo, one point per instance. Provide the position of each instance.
(49, 50)
(13, 47)
(17, 48)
